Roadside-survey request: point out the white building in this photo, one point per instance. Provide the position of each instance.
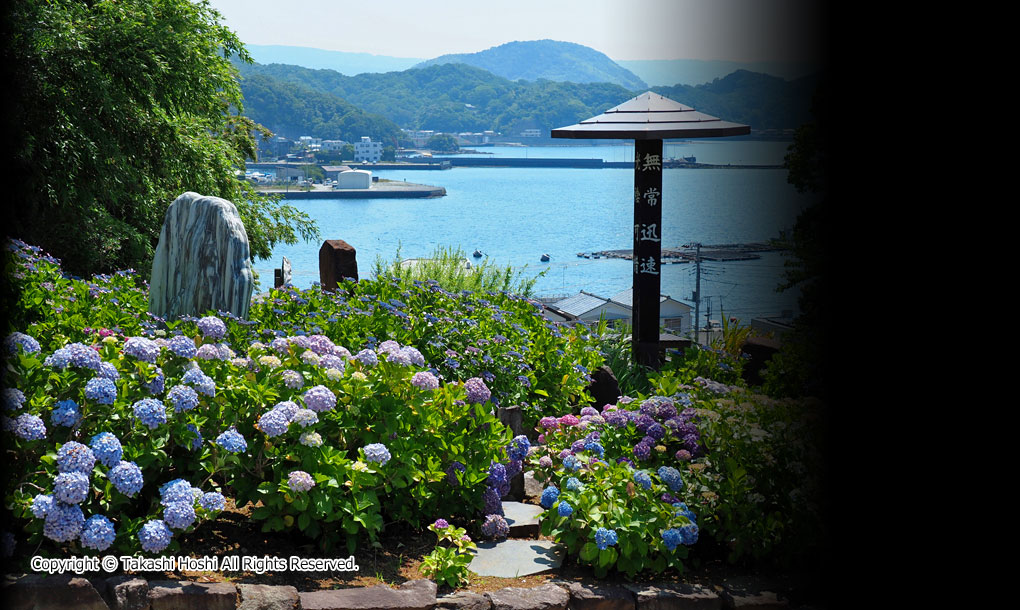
(354, 179)
(589, 308)
(367, 151)
(333, 144)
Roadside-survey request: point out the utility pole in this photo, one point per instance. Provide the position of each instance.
(697, 292)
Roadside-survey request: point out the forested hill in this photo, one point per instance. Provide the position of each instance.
(546, 59)
(457, 98)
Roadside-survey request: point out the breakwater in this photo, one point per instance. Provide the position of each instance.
(718, 252)
(388, 190)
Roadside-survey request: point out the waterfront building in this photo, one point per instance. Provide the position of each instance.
(367, 151)
(588, 308)
(354, 179)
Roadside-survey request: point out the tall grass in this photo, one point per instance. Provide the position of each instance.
(446, 265)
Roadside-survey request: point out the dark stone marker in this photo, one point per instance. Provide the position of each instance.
(282, 276)
(647, 249)
(604, 388)
(760, 350)
(337, 260)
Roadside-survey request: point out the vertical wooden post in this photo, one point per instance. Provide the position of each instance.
(512, 418)
(647, 250)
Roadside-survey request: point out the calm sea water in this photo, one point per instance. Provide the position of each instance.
(514, 215)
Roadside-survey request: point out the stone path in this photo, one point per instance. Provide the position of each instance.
(522, 554)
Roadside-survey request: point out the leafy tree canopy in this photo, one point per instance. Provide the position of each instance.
(119, 107)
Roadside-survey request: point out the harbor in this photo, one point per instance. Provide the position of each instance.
(383, 189)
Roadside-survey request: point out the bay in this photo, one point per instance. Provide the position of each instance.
(514, 215)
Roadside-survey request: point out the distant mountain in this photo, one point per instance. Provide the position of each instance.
(343, 62)
(546, 59)
(669, 72)
(759, 100)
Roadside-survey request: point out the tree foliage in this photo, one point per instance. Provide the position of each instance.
(119, 107)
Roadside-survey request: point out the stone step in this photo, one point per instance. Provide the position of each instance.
(512, 558)
(522, 519)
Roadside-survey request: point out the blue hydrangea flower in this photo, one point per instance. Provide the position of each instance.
(451, 473)
(518, 447)
(108, 371)
(643, 479)
(197, 441)
(689, 534)
(595, 448)
(75, 457)
(151, 412)
(671, 476)
(571, 462)
(514, 468)
(156, 385)
(413, 355)
(59, 359)
(213, 501)
(126, 477)
(175, 491)
(212, 327)
(232, 441)
(101, 390)
(497, 477)
(183, 398)
(182, 346)
(71, 487)
(154, 536)
(83, 356)
(300, 480)
(64, 522)
(549, 496)
(477, 391)
(672, 538)
(605, 538)
(564, 509)
(65, 413)
(203, 383)
(378, 453)
(107, 449)
(320, 398)
(16, 340)
(179, 515)
(41, 505)
(13, 398)
(98, 533)
(273, 423)
(574, 485)
(141, 348)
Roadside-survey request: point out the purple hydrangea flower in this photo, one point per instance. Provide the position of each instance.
(425, 380)
(549, 422)
(440, 524)
(273, 423)
(141, 348)
(683, 455)
(545, 461)
(331, 361)
(495, 526)
(300, 480)
(642, 451)
(413, 355)
(569, 420)
(320, 398)
(518, 447)
(451, 473)
(155, 536)
(491, 500)
(377, 452)
(477, 391)
(292, 379)
(212, 327)
(367, 357)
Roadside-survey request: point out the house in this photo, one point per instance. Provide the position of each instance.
(333, 171)
(367, 151)
(589, 308)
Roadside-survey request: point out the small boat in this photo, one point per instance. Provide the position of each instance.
(477, 254)
(545, 258)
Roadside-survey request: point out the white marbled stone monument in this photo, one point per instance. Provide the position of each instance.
(202, 261)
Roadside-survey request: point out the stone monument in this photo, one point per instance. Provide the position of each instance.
(202, 262)
(337, 260)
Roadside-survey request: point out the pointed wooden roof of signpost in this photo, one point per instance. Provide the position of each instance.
(651, 116)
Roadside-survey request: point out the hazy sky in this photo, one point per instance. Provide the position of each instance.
(733, 30)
